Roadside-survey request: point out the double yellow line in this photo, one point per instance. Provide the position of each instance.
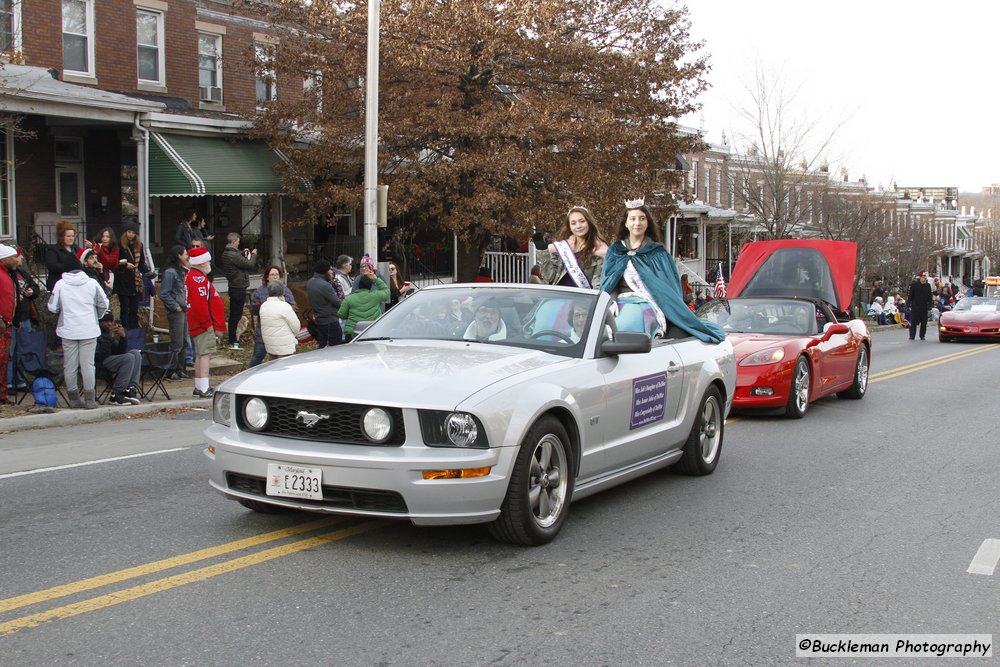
(928, 363)
(167, 583)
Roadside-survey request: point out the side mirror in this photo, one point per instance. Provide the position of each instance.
(834, 328)
(627, 342)
(360, 327)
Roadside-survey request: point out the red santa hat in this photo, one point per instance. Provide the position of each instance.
(82, 254)
(199, 255)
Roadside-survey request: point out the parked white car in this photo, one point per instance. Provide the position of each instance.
(472, 404)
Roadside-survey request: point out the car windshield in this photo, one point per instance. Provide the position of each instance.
(556, 319)
(793, 272)
(765, 316)
(979, 304)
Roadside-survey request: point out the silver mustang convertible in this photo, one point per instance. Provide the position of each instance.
(472, 404)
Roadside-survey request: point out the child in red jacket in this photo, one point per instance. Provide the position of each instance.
(206, 316)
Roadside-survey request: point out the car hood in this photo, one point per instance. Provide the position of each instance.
(814, 268)
(410, 373)
(970, 317)
(745, 344)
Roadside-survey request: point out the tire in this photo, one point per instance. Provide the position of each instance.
(943, 339)
(860, 385)
(263, 508)
(540, 489)
(798, 394)
(704, 444)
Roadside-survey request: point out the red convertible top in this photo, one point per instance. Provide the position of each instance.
(815, 268)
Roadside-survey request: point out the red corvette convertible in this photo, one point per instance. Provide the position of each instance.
(972, 317)
(788, 323)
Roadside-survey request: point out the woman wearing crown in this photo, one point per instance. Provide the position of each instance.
(576, 259)
(641, 274)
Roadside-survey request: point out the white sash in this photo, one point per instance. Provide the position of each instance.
(571, 264)
(634, 280)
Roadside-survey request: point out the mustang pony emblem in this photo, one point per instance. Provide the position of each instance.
(309, 419)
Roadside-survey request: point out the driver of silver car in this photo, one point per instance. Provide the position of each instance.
(488, 325)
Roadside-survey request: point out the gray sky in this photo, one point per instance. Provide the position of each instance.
(911, 80)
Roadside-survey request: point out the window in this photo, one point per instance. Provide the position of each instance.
(10, 25)
(210, 67)
(312, 89)
(267, 89)
(69, 178)
(78, 36)
(149, 46)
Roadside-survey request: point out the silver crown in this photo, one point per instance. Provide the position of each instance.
(635, 203)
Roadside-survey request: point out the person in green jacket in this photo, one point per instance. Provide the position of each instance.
(365, 302)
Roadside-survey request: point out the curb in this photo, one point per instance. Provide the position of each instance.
(68, 417)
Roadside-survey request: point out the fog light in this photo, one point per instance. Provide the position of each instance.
(457, 474)
(211, 449)
(762, 391)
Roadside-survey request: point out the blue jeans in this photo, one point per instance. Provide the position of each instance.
(12, 359)
(259, 352)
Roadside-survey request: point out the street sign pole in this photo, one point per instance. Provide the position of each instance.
(371, 133)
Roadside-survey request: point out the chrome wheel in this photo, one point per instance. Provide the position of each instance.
(798, 395)
(710, 435)
(547, 482)
(862, 375)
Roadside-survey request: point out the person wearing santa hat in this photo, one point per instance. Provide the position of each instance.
(206, 317)
(79, 301)
(8, 304)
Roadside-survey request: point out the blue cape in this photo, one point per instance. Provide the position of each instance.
(657, 269)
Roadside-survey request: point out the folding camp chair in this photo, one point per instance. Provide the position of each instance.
(32, 363)
(156, 364)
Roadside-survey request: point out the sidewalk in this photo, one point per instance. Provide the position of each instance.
(180, 392)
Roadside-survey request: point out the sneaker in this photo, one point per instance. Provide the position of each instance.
(118, 399)
(182, 375)
(132, 395)
(235, 346)
(173, 376)
(203, 394)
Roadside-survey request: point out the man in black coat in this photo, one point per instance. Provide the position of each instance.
(920, 302)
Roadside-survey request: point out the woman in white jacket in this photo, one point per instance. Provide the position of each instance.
(80, 303)
(278, 322)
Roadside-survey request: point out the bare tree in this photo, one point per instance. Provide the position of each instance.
(780, 159)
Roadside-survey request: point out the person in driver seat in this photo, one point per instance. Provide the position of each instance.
(488, 324)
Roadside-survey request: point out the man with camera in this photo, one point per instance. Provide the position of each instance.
(236, 267)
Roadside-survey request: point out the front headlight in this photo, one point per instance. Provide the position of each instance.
(222, 408)
(769, 356)
(452, 429)
(255, 414)
(377, 425)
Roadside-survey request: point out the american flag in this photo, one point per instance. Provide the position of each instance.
(720, 284)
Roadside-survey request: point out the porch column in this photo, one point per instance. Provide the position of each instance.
(277, 233)
(141, 136)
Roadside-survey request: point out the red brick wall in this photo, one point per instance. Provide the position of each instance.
(36, 176)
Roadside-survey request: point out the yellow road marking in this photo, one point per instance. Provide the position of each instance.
(177, 580)
(921, 364)
(913, 368)
(160, 565)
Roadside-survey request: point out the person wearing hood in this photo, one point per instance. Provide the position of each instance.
(877, 311)
(642, 276)
(365, 301)
(80, 303)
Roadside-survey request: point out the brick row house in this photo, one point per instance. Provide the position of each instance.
(136, 108)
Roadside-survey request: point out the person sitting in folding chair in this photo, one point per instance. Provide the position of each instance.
(124, 365)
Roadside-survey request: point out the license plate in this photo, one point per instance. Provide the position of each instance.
(294, 481)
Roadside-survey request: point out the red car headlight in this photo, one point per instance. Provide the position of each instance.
(771, 355)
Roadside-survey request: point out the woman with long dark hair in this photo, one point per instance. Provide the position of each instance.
(643, 277)
(576, 258)
(128, 277)
(173, 293)
(106, 246)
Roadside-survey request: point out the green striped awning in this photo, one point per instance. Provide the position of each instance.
(963, 233)
(182, 166)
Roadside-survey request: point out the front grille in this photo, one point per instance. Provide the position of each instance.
(341, 425)
(334, 497)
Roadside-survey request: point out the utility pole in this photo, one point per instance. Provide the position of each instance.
(371, 133)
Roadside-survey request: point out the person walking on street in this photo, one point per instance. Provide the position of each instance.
(325, 302)
(173, 293)
(206, 316)
(80, 302)
(920, 302)
(236, 267)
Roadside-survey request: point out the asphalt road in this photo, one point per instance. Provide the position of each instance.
(864, 517)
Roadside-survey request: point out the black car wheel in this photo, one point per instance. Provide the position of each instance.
(704, 444)
(798, 395)
(540, 489)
